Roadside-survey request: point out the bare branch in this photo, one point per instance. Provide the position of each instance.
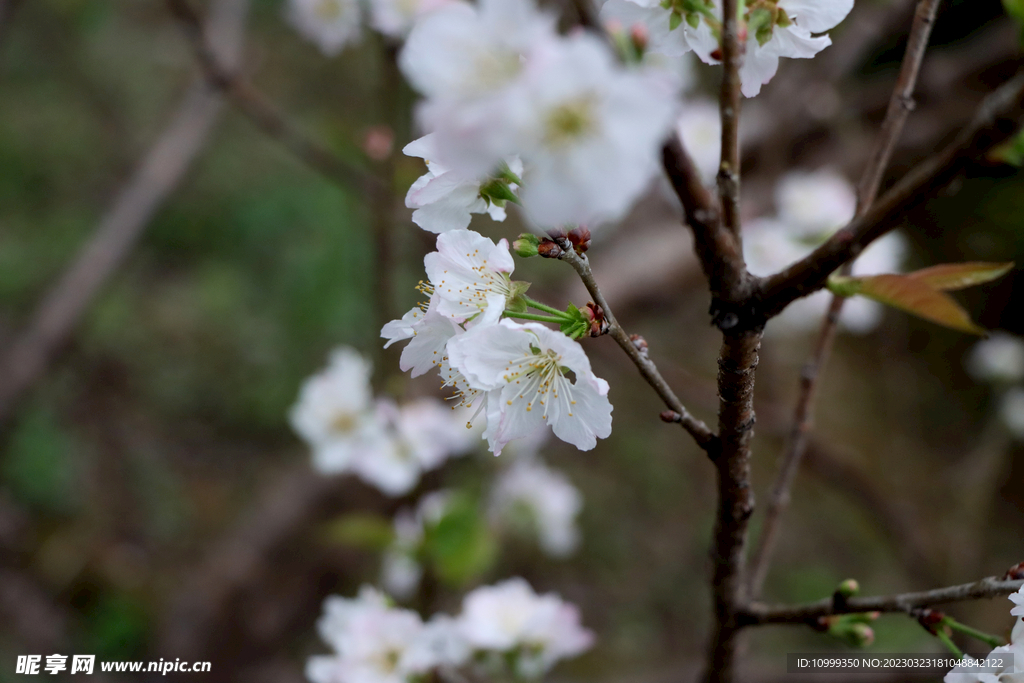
(700, 432)
(29, 355)
(258, 109)
(900, 105)
(757, 614)
(997, 119)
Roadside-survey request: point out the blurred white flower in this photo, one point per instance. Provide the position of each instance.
(770, 245)
(544, 499)
(401, 570)
(443, 199)
(1011, 410)
(510, 617)
(335, 414)
(373, 642)
(468, 61)
(395, 18)
(528, 364)
(1000, 358)
(330, 24)
(700, 128)
(590, 131)
(425, 434)
(815, 203)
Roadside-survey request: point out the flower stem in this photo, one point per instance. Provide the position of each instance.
(534, 316)
(948, 642)
(988, 639)
(547, 309)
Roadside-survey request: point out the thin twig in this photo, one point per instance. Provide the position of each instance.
(258, 109)
(700, 432)
(30, 354)
(757, 614)
(997, 118)
(729, 105)
(900, 105)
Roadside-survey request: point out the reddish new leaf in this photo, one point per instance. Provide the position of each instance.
(915, 295)
(952, 276)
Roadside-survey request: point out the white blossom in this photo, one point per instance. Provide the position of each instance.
(425, 434)
(590, 131)
(1000, 358)
(467, 60)
(1018, 609)
(815, 203)
(545, 497)
(395, 18)
(528, 364)
(1011, 411)
(336, 416)
(510, 617)
(468, 273)
(970, 671)
(662, 39)
(373, 642)
(330, 24)
(700, 128)
(443, 199)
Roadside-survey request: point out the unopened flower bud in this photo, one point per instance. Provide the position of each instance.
(931, 619)
(580, 238)
(848, 588)
(670, 416)
(1015, 573)
(526, 245)
(595, 316)
(378, 142)
(639, 343)
(862, 635)
(548, 249)
(640, 37)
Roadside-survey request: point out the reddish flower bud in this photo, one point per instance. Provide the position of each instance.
(640, 37)
(548, 249)
(1015, 573)
(598, 324)
(931, 619)
(580, 238)
(670, 416)
(639, 343)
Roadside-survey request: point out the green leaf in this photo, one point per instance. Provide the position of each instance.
(953, 276)
(912, 295)
(360, 530)
(1015, 8)
(460, 545)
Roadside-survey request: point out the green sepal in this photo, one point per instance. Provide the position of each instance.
(515, 301)
(693, 19)
(577, 326)
(498, 192)
(674, 20)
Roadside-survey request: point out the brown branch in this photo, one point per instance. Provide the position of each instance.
(29, 355)
(729, 105)
(736, 366)
(757, 614)
(257, 108)
(900, 105)
(700, 432)
(997, 119)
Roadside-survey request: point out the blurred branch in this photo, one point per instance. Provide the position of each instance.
(30, 353)
(258, 109)
(729, 107)
(700, 432)
(997, 118)
(757, 614)
(900, 105)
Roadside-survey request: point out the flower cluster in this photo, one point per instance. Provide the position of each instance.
(517, 376)
(1000, 361)
(333, 25)
(1013, 654)
(506, 628)
(811, 206)
(770, 29)
(386, 445)
(499, 81)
